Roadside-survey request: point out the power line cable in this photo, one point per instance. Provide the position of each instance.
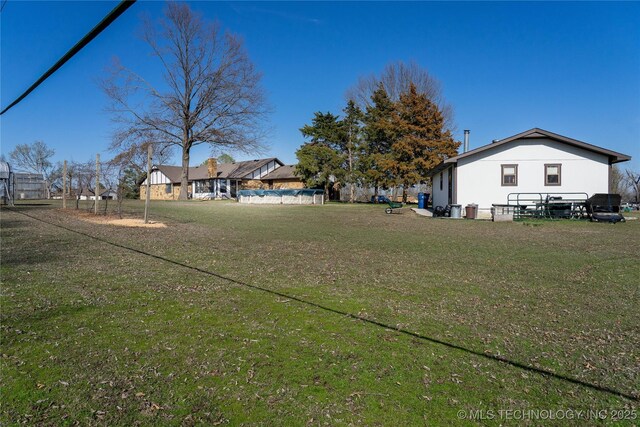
(112, 16)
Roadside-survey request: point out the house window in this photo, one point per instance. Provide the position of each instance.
(509, 175)
(167, 188)
(204, 186)
(440, 181)
(552, 174)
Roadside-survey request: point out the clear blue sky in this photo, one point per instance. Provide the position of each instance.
(571, 68)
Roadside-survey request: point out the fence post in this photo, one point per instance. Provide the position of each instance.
(97, 190)
(148, 195)
(64, 185)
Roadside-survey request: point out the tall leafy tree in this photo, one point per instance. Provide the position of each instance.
(378, 138)
(317, 165)
(420, 141)
(221, 159)
(211, 93)
(129, 183)
(351, 139)
(226, 158)
(320, 160)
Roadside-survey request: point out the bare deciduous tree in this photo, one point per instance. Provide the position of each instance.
(81, 178)
(396, 78)
(618, 182)
(213, 93)
(34, 158)
(135, 157)
(633, 179)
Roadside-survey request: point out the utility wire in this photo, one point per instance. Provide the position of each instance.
(112, 16)
(489, 356)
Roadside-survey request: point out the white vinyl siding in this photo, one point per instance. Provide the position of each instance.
(440, 180)
(479, 175)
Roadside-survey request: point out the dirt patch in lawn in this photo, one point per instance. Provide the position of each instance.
(115, 220)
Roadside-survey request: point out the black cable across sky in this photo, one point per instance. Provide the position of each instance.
(112, 16)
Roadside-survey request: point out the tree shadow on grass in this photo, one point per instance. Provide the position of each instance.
(16, 251)
(30, 205)
(13, 223)
(46, 314)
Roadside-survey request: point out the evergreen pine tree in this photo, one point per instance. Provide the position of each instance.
(376, 150)
(421, 140)
(320, 160)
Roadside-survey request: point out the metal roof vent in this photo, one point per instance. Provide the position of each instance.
(466, 140)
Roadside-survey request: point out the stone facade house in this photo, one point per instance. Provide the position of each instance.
(212, 180)
(283, 177)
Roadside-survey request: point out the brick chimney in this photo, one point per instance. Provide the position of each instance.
(212, 167)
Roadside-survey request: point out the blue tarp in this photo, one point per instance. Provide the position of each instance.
(284, 192)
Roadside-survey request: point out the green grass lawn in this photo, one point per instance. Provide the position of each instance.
(315, 326)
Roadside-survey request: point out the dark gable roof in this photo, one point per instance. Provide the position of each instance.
(283, 172)
(241, 169)
(614, 157)
(236, 170)
(441, 167)
(171, 172)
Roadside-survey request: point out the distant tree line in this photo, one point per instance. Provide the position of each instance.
(390, 138)
(121, 174)
(626, 183)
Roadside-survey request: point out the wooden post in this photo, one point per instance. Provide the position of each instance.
(97, 190)
(64, 185)
(148, 195)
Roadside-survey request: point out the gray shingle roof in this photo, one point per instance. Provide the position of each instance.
(241, 169)
(236, 170)
(283, 172)
(171, 172)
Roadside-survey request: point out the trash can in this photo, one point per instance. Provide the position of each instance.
(421, 203)
(456, 211)
(471, 211)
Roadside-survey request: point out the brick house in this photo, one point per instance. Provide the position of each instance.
(283, 177)
(212, 180)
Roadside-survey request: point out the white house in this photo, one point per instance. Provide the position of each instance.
(536, 161)
(107, 194)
